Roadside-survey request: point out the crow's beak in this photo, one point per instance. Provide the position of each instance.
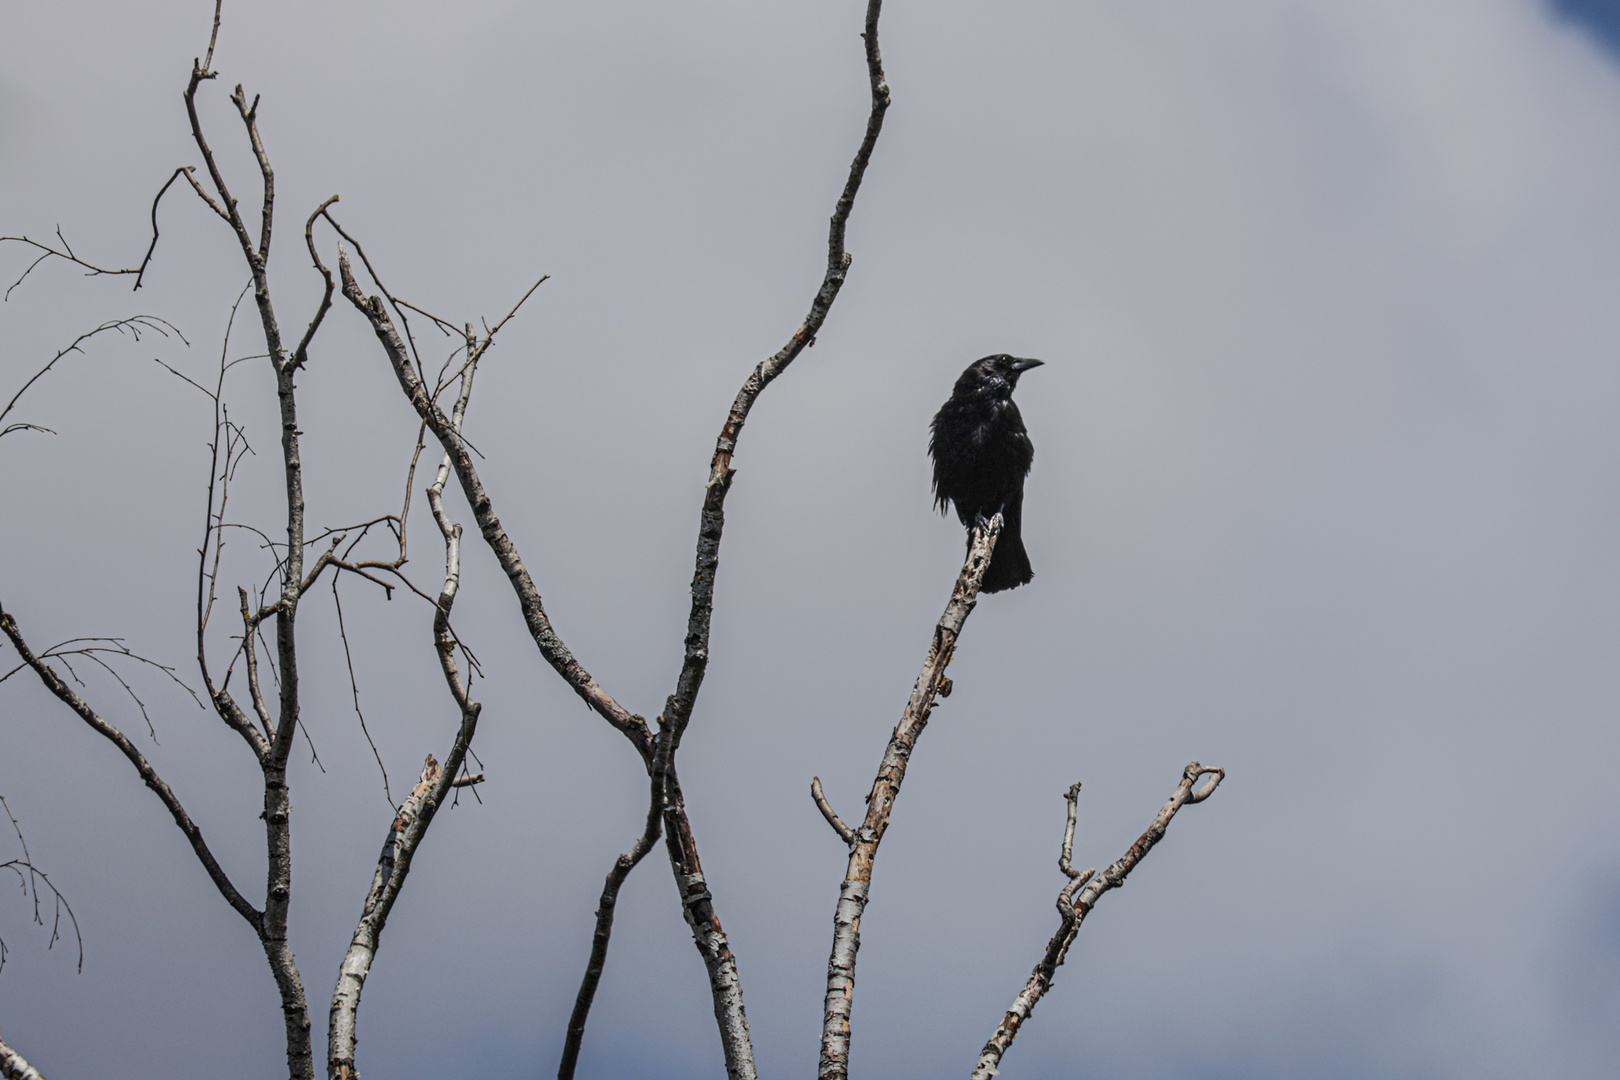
(1025, 365)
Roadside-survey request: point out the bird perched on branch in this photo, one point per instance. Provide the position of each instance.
(981, 454)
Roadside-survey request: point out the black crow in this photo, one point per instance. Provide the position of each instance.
(981, 455)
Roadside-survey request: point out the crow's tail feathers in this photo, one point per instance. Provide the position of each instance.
(1009, 565)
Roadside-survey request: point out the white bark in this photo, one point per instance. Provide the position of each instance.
(852, 898)
(13, 1066)
(416, 813)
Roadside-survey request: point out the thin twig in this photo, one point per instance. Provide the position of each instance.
(845, 833)
(30, 884)
(212, 38)
(133, 325)
(54, 683)
(354, 688)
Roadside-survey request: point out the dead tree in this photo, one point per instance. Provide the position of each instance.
(267, 641)
(268, 720)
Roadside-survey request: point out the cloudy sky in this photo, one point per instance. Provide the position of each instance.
(1327, 491)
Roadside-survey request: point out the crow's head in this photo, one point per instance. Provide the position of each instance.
(995, 375)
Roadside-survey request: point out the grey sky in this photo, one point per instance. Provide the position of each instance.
(1327, 491)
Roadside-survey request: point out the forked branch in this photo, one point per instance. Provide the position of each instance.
(725, 983)
(65, 252)
(696, 898)
(545, 638)
(1072, 909)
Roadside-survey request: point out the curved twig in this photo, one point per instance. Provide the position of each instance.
(92, 270)
(845, 833)
(132, 325)
(30, 883)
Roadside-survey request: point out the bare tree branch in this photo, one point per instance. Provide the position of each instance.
(277, 804)
(13, 1066)
(697, 900)
(133, 325)
(301, 354)
(66, 252)
(30, 876)
(1072, 910)
(400, 306)
(64, 693)
(720, 470)
(213, 38)
(853, 894)
(229, 438)
(416, 813)
(551, 646)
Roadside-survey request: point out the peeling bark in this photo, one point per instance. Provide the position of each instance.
(13, 1066)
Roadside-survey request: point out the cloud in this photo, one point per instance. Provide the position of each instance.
(1600, 18)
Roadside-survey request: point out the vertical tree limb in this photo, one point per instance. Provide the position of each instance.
(1072, 910)
(854, 892)
(696, 897)
(277, 804)
(416, 813)
(219, 475)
